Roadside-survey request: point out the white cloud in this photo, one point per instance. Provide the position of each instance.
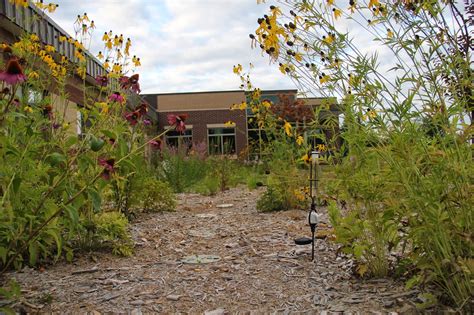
(186, 45)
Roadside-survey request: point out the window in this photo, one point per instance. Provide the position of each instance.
(221, 140)
(176, 139)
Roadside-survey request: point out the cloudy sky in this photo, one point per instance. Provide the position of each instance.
(184, 45)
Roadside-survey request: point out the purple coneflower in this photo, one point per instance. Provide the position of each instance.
(178, 122)
(147, 122)
(156, 144)
(13, 73)
(102, 80)
(116, 97)
(132, 117)
(108, 165)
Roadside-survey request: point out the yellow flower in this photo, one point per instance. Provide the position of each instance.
(106, 37)
(229, 123)
(330, 2)
(323, 78)
(373, 3)
(321, 147)
(128, 44)
(243, 106)
(237, 69)
(103, 106)
(62, 38)
(389, 33)
(266, 104)
(34, 37)
(305, 158)
(100, 56)
(108, 44)
(337, 13)
(33, 75)
(287, 127)
(372, 114)
(299, 140)
(23, 3)
(49, 48)
(66, 125)
(28, 109)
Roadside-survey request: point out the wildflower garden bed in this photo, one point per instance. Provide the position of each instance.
(256, 267)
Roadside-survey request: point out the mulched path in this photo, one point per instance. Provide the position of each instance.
(254, 267)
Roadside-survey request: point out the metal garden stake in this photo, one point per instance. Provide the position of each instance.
(313, 217)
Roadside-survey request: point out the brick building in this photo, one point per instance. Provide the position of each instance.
(208, 113)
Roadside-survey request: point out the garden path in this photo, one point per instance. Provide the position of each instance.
(257, 267)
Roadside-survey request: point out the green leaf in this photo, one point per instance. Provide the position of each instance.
(72, 213)
(412, 282)
(96, 199)
(72, 140)
(56, 159)
(33, 251)
(97, 144)
(3, 254)
(109, 134)
(16, 184)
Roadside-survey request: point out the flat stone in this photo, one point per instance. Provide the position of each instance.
(225, 205)
(137, 302)
(173, 297)
(219, 311)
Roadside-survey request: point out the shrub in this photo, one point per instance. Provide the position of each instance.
(111, 230)
(155, 196)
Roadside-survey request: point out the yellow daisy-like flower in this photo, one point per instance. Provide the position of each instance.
(100, 56)
(266, 104)
(372, 114)
(33, 75)
(34, 37)
(66, 125)
(49, 48)
(62, 38)
(299, 140)
(306, 158)
(237, 69)
(389, 33)
(28, 109)
(287, 126)
(337, 13)
(243, 106)
(103, 106)
(321, 147)
(229, 123)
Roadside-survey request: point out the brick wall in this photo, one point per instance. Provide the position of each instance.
(200, 118)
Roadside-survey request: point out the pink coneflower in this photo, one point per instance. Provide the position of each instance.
(108, 165)
(156, 144)
(178, 121)
(102, 80)
(147, 122)
(13, 73)
(142, 109)
(116, 97)
(132, 117)
(130, 83)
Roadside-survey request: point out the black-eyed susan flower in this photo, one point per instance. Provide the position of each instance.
(229, 123)
(299, 140)
(287, 127)
(337, 13)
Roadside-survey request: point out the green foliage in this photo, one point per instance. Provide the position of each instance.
(111, 230)
(154, 195)
(404, 156)
(181, 171)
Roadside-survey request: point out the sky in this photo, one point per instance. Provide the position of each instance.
(184, 45)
